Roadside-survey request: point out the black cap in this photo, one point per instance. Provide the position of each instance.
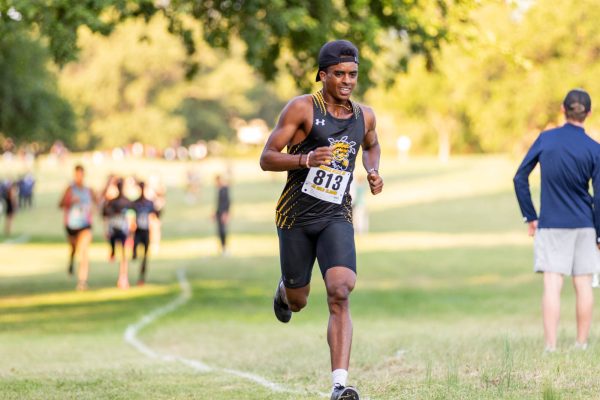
(578, 100)
(336, 52)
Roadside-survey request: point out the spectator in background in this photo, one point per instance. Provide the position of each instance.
(10, 205)
(26, 185)
(567, 233)
(222, 212)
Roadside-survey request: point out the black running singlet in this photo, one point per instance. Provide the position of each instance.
(319, 193)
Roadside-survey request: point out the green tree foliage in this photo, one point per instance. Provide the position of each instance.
(503, 82)
(131, 86)
(276, 32)
(31, 108)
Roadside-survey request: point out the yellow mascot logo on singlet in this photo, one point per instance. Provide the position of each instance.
(342, 149)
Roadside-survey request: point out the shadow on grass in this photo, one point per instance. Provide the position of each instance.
(441, 283)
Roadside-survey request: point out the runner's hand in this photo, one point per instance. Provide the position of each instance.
(375, 182)
(321, 156)
(532, 228)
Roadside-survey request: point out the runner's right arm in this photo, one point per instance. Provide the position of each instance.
(65, 201)
(521, 183)
(292, 125)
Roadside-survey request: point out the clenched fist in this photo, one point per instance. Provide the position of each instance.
(320, 156)
(375, 182)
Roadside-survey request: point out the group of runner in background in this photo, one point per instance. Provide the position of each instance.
(128, 224)
(131, 227)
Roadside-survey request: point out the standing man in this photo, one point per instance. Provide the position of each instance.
(567, 232)
(78, 202)
(222, 213)
(10, 203)
(322, 133)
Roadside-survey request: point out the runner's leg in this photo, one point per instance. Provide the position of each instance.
(339, 282)
(123, 281)
(297, 298)
(553, 283)
(72, 239)
(84, 238)
(145, 243)
(585, 302)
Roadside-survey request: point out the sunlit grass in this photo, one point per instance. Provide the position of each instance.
(446, 304)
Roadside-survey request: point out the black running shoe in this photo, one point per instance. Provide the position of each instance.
(344, 393)
(71, 268)
(282, 310)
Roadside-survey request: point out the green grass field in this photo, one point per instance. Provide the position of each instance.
(446, 305)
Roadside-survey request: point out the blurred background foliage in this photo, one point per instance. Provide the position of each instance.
(454, 76)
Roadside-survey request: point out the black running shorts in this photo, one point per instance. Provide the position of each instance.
(142, 236)
(330, 242)
(76, 232)
(118, 236)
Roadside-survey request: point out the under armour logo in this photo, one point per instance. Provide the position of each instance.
(319, 122)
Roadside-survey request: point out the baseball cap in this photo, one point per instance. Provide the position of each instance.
(578, 100)
(336, 52)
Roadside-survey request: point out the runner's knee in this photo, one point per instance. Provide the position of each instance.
(338, 294)
(297, 303)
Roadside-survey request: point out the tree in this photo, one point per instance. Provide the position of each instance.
(277, 33)
(131, 86)
(30, 107)
(497, 90)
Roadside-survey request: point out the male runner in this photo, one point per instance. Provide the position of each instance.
(78, 202)
(115, 213)
(144, 212)
(568, 232)
(322, 133)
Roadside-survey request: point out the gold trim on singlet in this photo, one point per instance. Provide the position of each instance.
(283, 195)
(319, 101)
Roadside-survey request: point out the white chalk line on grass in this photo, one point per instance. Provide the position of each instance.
(132, 331)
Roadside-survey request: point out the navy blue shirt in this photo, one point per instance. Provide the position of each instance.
(568, 159)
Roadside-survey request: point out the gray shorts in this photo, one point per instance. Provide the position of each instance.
(566, 251)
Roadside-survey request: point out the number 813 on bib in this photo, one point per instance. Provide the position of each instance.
(326, 184)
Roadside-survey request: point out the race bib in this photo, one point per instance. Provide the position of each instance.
(76, 219)
(143, 220)
(119, 222)
(326, 184)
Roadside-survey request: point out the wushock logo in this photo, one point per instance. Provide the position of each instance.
(342, 149)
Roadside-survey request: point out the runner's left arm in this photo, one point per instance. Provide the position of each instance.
(372, 152)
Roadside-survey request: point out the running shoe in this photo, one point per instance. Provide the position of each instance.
(580, 346)
(82, 286)
(344, 393)
(280, 307)
(71, 268)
